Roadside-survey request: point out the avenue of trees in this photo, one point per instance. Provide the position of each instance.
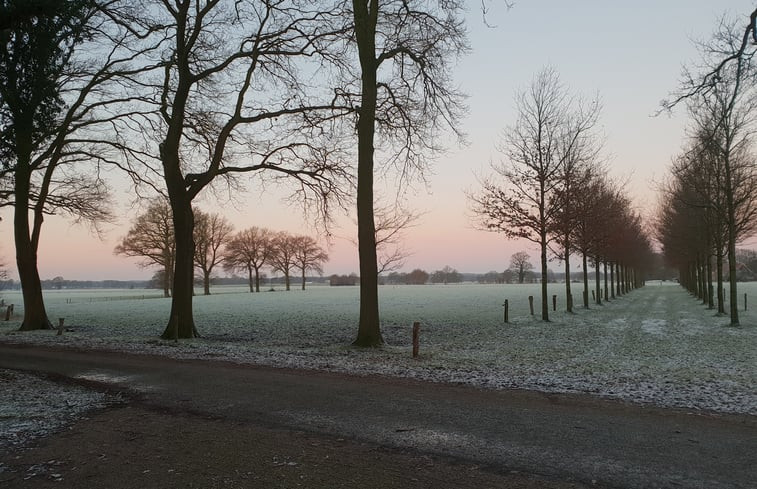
(709, 203)
(551, 189)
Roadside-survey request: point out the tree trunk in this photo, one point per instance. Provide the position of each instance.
(597, 279)
(719, 274)
(303, 279)
(35, 315)
(710, 294)
(181, 321)
(544, 300)
(257, 280)
(586, 282)
(287, 281)
(612, 280)
(206, 282)
(369, 329)
(568, 295)
(607, 296)
(249, 279)
(621, 279)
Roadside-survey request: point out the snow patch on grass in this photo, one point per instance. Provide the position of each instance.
(32, 407)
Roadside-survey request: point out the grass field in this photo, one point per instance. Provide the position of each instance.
(657, 344)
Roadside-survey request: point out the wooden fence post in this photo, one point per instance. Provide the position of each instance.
(531, 304)
(416, 338)
(554, 302)
(60, 326)
(8, 312)
(507, 309)
(745, 301)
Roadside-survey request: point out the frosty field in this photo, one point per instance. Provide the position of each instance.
(655, 345)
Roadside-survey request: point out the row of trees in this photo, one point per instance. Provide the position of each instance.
(251, 250)
(709, 203)
(187, 95)
(552, 190)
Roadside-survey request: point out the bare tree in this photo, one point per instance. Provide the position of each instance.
(233, 101)
(249, 250)
(59, 65)
(308, 255)
(391, 224)
(403, 93)
(520, 263)
(282, 258)
(211, 233)
(151, 238)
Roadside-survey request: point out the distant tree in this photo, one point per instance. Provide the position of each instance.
(308, 255)
(390, 224)
(211, 232)
(446, 275)
(58, 282)
(160, 280)
(151, 238)
(282, 258)
(416, 277)
(337, 280)
(520, 264)
(492, 277)
(249, 250)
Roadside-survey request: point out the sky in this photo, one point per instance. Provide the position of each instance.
(630, 53)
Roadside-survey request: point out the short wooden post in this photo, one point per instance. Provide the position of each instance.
(60, 326)
(416, 338)
(531, 304)
(8, 312)
(554, 302)
(507, 309)
(745, 301)
(593, 296)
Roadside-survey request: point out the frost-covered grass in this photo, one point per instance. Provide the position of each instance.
(656, 344)
(32, 407)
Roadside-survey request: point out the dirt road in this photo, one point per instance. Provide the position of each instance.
(246, 422)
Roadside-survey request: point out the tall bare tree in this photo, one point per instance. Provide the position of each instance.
(403, 88)
(249, 250)
(308, 255)
(59, 64)
(211, 233)
(233, 101)
(151, 238)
